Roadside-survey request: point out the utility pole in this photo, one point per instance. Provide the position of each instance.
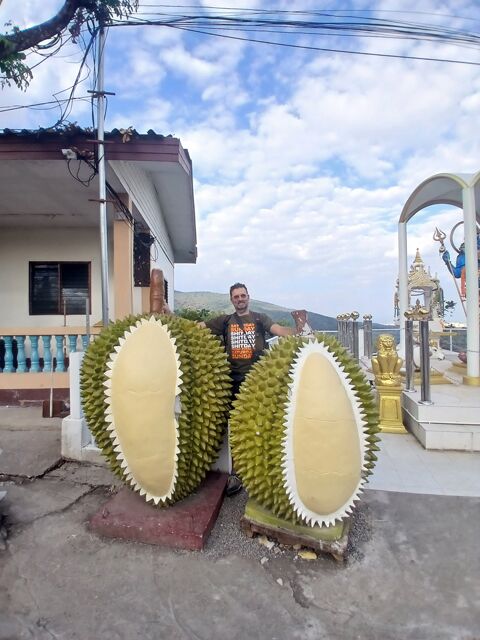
(100, 93)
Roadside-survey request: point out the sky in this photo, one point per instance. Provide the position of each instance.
(302, 159)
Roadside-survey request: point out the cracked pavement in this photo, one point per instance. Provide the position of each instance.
(412, 572)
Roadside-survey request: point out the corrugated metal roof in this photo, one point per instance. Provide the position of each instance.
(73, 130)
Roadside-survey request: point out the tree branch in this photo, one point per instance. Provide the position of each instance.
(28, 38)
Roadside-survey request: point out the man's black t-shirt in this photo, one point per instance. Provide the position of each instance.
(245, 339)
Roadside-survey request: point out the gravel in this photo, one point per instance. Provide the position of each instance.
(227, 538)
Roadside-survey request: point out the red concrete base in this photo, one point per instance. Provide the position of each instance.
(31, 397)
(184, 525)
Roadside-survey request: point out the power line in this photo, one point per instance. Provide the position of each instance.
(331, 23)
(329, 49)
(35, 105)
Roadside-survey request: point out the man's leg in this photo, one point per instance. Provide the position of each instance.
(234, 484)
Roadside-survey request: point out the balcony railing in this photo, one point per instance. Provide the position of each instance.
(41, 350)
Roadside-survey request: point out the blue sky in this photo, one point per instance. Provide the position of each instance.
(302, 159)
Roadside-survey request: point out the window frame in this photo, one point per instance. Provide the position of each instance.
(58, 264)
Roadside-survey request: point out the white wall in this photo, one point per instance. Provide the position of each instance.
(20, 246)
(139, 185)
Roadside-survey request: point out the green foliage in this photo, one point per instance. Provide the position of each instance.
(283, 322)
(197, 315)
(71, 17)
(13, 69)
(450, 306)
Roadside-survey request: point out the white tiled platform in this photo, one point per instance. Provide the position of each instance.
(452, 422)
(405, 466)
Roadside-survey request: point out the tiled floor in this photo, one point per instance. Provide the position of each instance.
(404, 465)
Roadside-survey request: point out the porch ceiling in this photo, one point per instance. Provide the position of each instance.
(42, 193)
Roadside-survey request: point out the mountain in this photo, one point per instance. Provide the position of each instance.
(220, 303)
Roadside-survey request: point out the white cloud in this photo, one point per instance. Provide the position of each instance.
(303, 160)
(181, 62)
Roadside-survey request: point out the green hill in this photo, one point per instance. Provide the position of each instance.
(220, 303)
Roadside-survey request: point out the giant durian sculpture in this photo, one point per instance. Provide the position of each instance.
(155, 394)
(303, 431)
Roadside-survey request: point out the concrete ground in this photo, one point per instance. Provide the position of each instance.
(413, 571)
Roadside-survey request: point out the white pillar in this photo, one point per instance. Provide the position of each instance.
(361, 343)
(74, 428)
(471, 281)
(402, 282)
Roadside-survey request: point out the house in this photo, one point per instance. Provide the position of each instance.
(50, 249)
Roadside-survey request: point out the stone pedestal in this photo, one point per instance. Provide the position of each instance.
(184, 525)
(332, 540)
(436, 377)
(390, 408)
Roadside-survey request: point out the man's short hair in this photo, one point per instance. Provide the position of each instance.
(238, 285)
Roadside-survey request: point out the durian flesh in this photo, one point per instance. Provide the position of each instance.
(178, 361)
(141, 407)
(303, 431)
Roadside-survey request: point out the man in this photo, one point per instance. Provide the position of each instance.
(243, 334)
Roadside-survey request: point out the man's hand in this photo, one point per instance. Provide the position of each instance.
(301, 323)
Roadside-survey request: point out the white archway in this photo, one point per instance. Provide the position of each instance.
(463, 191)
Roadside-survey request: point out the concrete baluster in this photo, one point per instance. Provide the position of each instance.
(72, 343)
(409, 364)
(8, 354)
(59, 355)
(21, 360)
(47, 353)
(425, 363)
(339, 329)
(35, 364)
(367, 336)
(355, 349)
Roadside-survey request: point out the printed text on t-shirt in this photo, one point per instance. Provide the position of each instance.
(242, 341)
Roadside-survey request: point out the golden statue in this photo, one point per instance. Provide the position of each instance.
(386, 367)
(387, 363)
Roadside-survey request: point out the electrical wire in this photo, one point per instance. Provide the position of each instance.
(351, 28)
(66, 110)
(329, 49)
(344, 23)
(42, 105)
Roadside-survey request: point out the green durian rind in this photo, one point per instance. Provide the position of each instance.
(204, 396)
(257, 428)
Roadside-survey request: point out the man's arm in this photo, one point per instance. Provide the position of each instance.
(215, 325)
(278, 330)
(301, 325)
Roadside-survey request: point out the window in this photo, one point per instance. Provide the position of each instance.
(59, 287)
(165, 286)
(142, 241)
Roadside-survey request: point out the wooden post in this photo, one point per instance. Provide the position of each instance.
(157, 292)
